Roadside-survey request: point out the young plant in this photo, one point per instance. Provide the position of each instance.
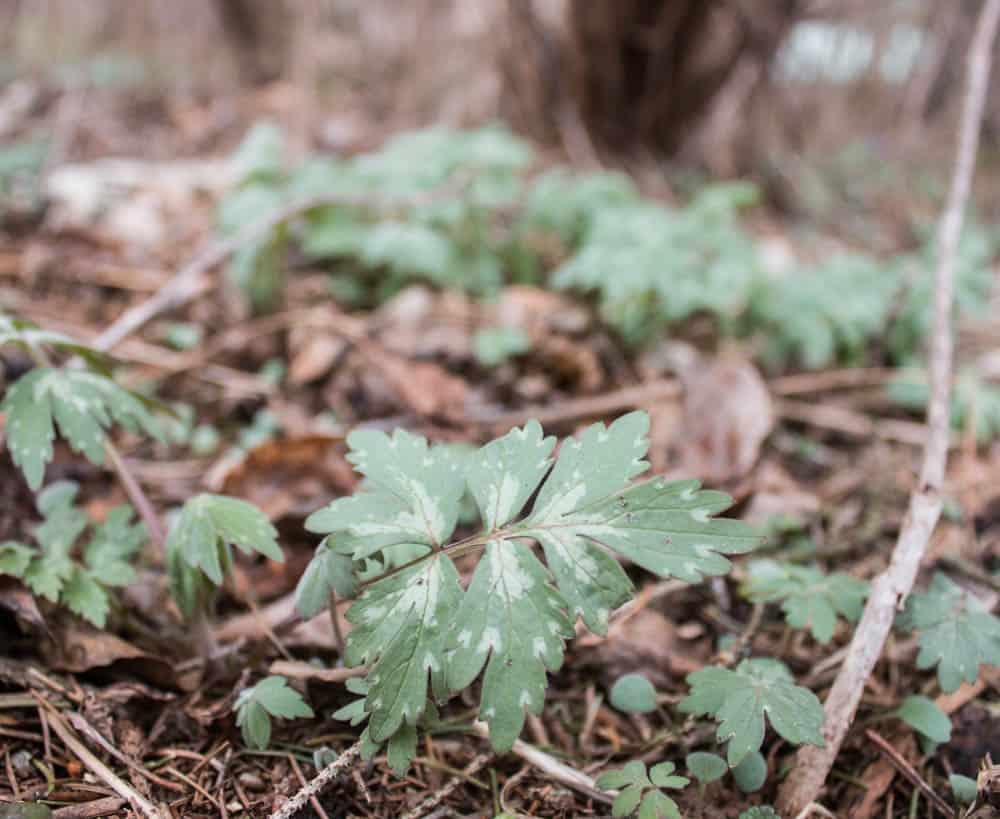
(809, 598)
(740, 698)
(640, 792)
(924, 716)
(83, 404)
(199, 547)
(633, 694)
(79, 579)
(271, 697)
(413, 623)
(957, 632)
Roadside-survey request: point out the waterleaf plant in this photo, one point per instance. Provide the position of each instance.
(957, 632)
(740, 698)
(58, 569)
(416, 629)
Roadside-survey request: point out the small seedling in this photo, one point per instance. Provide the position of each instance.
(925, 717)
(964, 789)
(706, 768)
(413, 623)
(271, 697)
(198, 547)
(739, 699)
(809, 598)
(633, 694)
(639, 791)
(957, 632)
(81, 581)
(751, 773)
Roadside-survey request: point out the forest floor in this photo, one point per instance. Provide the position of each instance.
(820, 459)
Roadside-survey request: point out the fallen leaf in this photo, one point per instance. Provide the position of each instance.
(728, 414)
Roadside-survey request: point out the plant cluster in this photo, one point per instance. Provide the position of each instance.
(461, 209)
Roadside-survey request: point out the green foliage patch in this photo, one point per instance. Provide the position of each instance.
(60, 570)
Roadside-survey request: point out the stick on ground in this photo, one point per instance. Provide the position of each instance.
(889, 589)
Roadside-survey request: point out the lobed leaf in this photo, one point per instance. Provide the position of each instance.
(82, 404)
(740, 699)
(809, 598)
(957, 633)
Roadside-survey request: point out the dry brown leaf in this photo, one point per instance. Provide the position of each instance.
(313, 354)
(728, 414)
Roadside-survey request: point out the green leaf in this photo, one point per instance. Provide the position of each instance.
(83, 405)
(504, 474)
(15, 557)
(113, 546)
(809, 598)
(633, 773)
(665, 527)
(957, 632)
(662, 775)
(706, 767)
(633, 694)
(963, 788)
(83, 595)
(51, 570)
(271, 697)
(495, 345)
(739, 700)
(400, 627)
(513, 616)
(924, 716)
(751, 773)
(656, 805)
(627, 801)
(207, 526)
(412, 496)
(327, 572)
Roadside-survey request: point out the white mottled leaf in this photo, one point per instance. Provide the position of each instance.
(82, 404)
(400, 623)
(513, 617)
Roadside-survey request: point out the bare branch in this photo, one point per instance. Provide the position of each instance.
(891, 587)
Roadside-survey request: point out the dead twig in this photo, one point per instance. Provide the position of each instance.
(109, 806)
(329, 774)
(907, 770)
(552, 767)
(436, 798)
(891, 587)
(96, 767)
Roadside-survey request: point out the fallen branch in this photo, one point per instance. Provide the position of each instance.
(552, 767)
(890, 588)
(436, 798)
(907, 770)
(325, 777)
(98, 768)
